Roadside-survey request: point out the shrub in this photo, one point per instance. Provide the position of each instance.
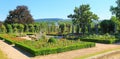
(20, 28)
(2, 29)
(108, 39)
(31, 28)
(26, 28)
(45, 51)
(52, 40)
(9, 28)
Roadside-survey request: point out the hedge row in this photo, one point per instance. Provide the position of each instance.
(7, 40)
(23, 46)
(26, 48)
(56, 34)
(100, 41)
(46, 51)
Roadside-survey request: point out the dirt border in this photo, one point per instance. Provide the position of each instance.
(11, 52)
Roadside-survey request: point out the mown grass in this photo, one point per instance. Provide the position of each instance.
(97, 53)
(3, 56)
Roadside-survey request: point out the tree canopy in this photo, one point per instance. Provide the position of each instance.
(107, 26)
(19, 15)
(82, 16)
(116, 10)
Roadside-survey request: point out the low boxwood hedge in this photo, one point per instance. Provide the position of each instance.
(99, 41)
(56, 34)
(106, 38)
(25, 47)
(46, 51)
(7, 40)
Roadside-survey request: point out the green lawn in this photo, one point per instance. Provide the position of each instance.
(2, 55)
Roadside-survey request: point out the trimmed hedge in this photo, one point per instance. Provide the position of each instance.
(25, 47)
(106, 38)
(46, 51)
(99, 41)
(56, 34)
(7, 40)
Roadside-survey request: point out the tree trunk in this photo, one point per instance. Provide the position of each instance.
(89, 28)
(78, 29)
(83, 29)
(72, 28)
(115, 28)
(96, 28)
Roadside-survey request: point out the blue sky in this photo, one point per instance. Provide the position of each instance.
(56, 8)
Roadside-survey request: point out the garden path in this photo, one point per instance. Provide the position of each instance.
(77, 53)
(11, 52)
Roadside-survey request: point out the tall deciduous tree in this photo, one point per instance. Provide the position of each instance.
(82, 17)
(19, 15)
(117, 23)
(116, 10)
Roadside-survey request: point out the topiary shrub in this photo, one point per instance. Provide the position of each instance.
(52, 40)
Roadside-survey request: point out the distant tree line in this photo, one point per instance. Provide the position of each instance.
(20, 20)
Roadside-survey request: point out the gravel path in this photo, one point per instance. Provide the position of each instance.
(11, 52)
(77, 53)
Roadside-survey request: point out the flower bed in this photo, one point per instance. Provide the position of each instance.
(44, 47)
(10, 39)
(50, 48)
